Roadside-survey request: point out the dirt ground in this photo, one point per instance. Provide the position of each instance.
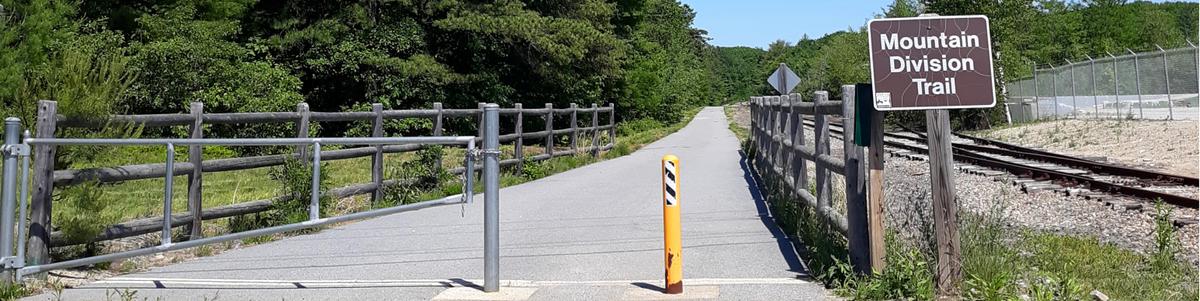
(1167, 146)
(741, 114)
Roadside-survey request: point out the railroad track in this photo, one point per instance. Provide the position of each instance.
(1034, 170)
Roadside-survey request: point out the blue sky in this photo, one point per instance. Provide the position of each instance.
(757, 23)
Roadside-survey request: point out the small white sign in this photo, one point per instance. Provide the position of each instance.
(783, 79)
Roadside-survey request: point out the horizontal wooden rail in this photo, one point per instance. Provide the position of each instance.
(154, 224)
(162, 120)
(832, 107)
(807, 152)
(70, 177)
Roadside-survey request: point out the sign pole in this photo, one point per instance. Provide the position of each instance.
(875, 196)
(783, 80)
(945, 209)
(904, 78)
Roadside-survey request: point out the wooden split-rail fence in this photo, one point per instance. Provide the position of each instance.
(45, 178)
(782, 157)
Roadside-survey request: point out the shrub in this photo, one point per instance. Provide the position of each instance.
(295, 179)
(81, 217)
(416, 176)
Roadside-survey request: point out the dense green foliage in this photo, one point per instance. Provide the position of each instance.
(1025, 33)
(120, 56)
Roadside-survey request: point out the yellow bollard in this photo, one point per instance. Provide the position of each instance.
(671, 229)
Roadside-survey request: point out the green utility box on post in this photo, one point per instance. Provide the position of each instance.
(864, 110)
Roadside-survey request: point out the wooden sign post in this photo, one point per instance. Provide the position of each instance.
(935, 63)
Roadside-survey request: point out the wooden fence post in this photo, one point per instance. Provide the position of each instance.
(519, 146)
(595, 131)
(799, 167)
(302, 130)
(857, 236)
(550, 129)
(875, 201)
(377, 159)
(778, 155)
(574, 128)
(785, 106)
(612, 124)
(437, 131)
(755, 132)
(43, 185)
(821, 141)
(945, 209)
(195, 179)
(772, 119)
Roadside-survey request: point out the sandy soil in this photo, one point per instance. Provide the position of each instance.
(741, 114)
(1167, 146)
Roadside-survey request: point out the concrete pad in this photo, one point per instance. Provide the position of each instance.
(698, 292)
(475, 294)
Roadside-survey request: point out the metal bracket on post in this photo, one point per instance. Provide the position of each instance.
(15, 149)
(12, 262)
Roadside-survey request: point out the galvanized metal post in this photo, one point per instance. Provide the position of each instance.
(1036, 105)
(314, 205)
(1196, 59)
(1074, 104)
(1116, 86)
(12, 128)
(1167, 79)
(1054, 89)
(437, 131)
(1137, 81)
(1095, 97)
(491, 199)
(168, 193)
(23, 203)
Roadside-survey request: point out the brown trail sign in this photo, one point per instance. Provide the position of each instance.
(935, 63)
(931, 63)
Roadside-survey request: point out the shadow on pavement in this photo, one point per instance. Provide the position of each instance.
(789, 247)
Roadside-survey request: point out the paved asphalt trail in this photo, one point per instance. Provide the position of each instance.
(593, 233)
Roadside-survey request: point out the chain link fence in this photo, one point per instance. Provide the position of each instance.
(1155, 85)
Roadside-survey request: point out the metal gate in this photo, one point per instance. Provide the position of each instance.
(15, 198)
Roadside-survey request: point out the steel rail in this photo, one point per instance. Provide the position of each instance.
(1038, 173)
(1012, 150)
(965, 155)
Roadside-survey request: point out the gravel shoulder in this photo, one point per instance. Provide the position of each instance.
(907, 185)
(1167, 146)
